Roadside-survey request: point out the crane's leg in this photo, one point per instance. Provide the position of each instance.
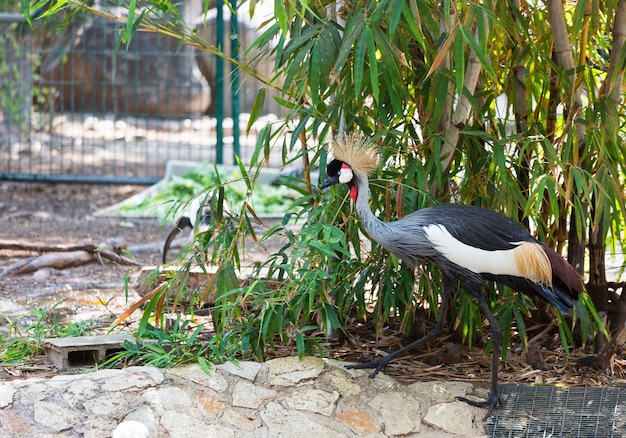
(496, 337)
(449, 286)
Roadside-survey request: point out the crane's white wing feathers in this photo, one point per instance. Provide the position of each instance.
(500, 262)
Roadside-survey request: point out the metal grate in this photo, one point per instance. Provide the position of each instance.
(553, 411)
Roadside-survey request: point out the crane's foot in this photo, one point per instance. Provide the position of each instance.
(492, 401)
(378, 365)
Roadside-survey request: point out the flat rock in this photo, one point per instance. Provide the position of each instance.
(193, 373)
(245, 370)
(6, 395)
(247, 395)
(313, 400)
(398, 421)
(288, 371)
(452, 418)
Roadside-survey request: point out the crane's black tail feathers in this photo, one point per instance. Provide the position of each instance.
(567, 284)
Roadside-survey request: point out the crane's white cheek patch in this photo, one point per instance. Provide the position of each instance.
(345, 174)
(480, 261)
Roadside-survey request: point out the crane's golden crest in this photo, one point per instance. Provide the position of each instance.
(360, 153)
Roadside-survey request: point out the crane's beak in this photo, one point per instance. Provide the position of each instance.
(331, 180)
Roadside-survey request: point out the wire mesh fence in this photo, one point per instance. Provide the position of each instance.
(78, 105)
(564, 412)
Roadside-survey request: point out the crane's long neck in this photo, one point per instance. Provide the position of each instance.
(371, 224)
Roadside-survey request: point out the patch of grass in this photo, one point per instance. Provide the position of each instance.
(179, 342)
(21, 341)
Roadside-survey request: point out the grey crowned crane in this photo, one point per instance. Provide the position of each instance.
(469, 245)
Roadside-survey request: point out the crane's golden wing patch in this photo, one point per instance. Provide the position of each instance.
(533, 263)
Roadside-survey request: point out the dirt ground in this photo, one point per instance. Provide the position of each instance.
(59, 213)
(55, 213)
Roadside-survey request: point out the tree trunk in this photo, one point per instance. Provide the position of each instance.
(522, 169)
(576, 246)
(597, 286)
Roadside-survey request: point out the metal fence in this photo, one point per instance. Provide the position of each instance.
(75, 107)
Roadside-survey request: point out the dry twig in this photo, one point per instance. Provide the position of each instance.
(65, 256)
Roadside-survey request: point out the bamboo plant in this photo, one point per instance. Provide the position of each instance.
(475, 102)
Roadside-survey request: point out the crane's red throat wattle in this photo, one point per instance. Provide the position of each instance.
(353, 192)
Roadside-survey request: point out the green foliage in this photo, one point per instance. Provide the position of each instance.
(179, 343)
(165, 203)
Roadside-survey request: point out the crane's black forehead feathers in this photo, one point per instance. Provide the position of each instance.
(333, 167)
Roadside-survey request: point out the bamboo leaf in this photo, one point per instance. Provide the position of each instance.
(130, 21)
(359, 62)
(441, 54)
(354, 28)
(315, 74)
(281, 16)
(393, 16)
(373, 63)
(257, 108)
(478, 53)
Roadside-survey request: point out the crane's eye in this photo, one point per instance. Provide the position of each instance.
(345, 174)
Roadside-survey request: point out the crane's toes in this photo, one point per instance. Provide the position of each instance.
(378, 365)
(492, 401)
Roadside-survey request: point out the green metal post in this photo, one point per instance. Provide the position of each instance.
(219, 91)
(234, 44)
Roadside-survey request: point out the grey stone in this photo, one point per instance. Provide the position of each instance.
(456, 417)
(6, 394)
(195, 374)
(153, 372)
(247, 395)
(293, 424)
(400, 412)
(107, 405)
(95, 427)
(54, 417)
(342, 382)
(310, 398)
(246, 370)
(313, 400)
(129, 380)
(439, 392)
(37, 390)
(169, 398)
(183, 426)
(287, 371)
(77, 391)
(238, 421)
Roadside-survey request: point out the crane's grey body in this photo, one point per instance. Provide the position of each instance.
(474, 227)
